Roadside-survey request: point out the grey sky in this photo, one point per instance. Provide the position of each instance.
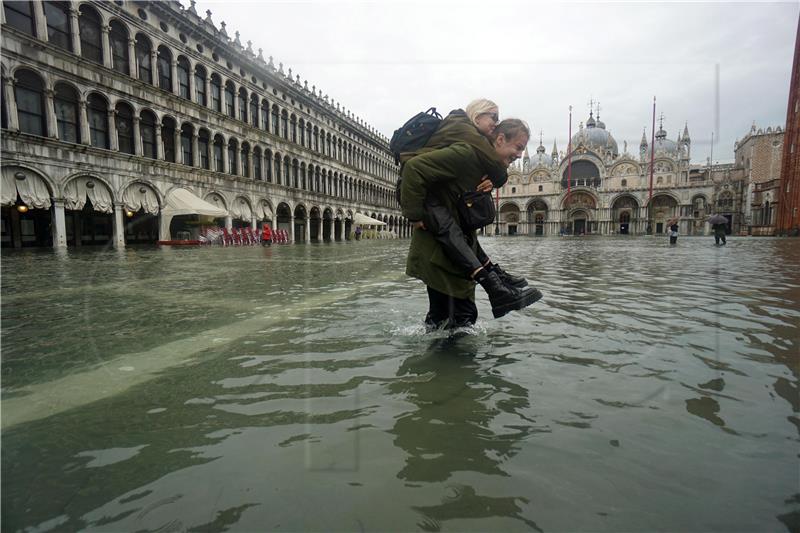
(386, 60)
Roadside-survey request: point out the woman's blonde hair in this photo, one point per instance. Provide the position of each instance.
(510, 128)
(478, 107)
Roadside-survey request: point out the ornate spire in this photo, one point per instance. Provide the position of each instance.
(686, 138)
(555, 149)
(208, 17)
(222, 30)
(540, 149)
(644, 139)
(192, 9)
(236, 41)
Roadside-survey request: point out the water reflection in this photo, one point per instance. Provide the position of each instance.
(454, 429)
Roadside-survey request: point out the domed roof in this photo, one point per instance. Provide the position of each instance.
(594, 138)
(665, 146)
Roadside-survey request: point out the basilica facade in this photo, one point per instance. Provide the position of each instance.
(600, 189)
(109, 108)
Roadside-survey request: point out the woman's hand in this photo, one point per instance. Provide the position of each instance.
(485, 185)
(419, 225)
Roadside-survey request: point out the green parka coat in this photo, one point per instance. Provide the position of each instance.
(446, 172)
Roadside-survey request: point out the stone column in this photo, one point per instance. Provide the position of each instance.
(154, 67)
(235, 101)
(137, 137)
(307, 237)
(291, 228)
(112, 130)
(159, 144)
(192, 95)
(178, 145)
(195, 149)
(50, 113)
(76, 37)
(253, 222)
(225, 165)
(176, 89)
(86, 135)
(108, 61)
(59, 225)
(10, 101)
(250, 171)
(320, 225)
(40, 21)
(341, 230)
(208, 92)
(119, 225)
(133, 71)
(229, 222)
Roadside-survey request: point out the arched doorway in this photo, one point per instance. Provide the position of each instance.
(660, 209)
(300, 223)
(579, 207)
(327, 224)
(283, 218)
(509, 219)
(263, 214)
(625, 211)
(26, 209)
(88, 212)
(537, 216)
(241, 213)
(316, 225)
(348, 225)
(141, 214)
(338, 225)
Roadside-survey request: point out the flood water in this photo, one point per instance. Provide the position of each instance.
(653, 388)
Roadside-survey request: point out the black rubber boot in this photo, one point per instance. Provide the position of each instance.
(509, 279)
(504, 298)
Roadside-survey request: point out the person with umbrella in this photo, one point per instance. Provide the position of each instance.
(672, 224)
(718, 224)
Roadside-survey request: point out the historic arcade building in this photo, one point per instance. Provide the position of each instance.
(609, 190)
(109, 107)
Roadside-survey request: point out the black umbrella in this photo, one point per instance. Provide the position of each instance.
(717, 219)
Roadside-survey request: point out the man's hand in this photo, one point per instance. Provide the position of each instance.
(485, 185)
(419, 225)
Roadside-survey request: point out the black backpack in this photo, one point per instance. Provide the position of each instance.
(414, 134)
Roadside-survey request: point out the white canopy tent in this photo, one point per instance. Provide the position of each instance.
(361, 219)
(183, 202)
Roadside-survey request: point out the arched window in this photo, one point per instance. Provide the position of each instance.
(91, 37)
(124, 123)
(287, 166)
(293, 121)
(147, 129)
(168, 126)
(265, 115)
(202, 146)
(254, 109)
(97, 109)
(216, 93)
(183, 77)
(143, 58)
(232, 149)
(278, 169)
(218, 160)
(229, 96)
(242, 104)
(65, 101)
(119, 47)
(308, 134)
(285, 124)
(200, 85)
(59, 32)
(29, 93)
(164, 68)
(19, 15)
(275, 121)
(257, 163)
(245, 157)
(303, 182)
(328, 146)
(187, 131)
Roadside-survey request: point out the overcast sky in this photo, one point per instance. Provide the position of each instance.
(717, 66)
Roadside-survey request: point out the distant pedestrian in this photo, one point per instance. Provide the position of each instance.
(673, 233)
(719, 233)
(266, 235)
(358, 233)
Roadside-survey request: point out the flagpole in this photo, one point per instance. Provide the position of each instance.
(569, 156)
(652, 152)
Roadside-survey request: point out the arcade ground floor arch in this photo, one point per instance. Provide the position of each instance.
(93, 209)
